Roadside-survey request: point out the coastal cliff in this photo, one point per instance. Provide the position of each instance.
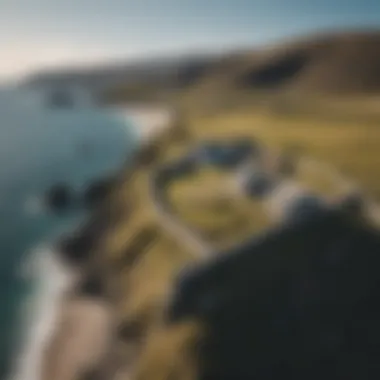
(128, 260)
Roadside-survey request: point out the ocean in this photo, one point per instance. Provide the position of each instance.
(39, 148)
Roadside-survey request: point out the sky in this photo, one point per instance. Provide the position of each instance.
(37, 34)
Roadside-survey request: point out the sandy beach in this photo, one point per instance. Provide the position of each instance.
(81, 339)
(152, 121)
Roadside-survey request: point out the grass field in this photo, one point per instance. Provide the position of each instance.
(352, 147)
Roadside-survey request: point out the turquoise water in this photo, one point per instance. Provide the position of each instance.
(40, 147)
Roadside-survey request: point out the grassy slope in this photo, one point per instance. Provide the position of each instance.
(352, 147)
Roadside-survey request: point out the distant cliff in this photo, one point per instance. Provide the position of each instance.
(135, 77)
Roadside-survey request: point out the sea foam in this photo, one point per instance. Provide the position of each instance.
(51, 279)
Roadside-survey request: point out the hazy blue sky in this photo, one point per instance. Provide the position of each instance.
(38, 33)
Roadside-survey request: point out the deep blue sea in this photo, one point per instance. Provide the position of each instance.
(40, 147)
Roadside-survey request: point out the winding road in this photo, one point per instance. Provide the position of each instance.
(183, 232)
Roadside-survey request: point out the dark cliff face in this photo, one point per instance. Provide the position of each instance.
(301, 302)
(276, 73)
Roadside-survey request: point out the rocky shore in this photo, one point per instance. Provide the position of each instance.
(87, 336)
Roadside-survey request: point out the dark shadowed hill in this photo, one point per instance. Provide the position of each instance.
(326, 63)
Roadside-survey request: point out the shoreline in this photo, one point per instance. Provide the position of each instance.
(84, 303)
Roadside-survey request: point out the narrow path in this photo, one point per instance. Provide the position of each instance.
(183, 232)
